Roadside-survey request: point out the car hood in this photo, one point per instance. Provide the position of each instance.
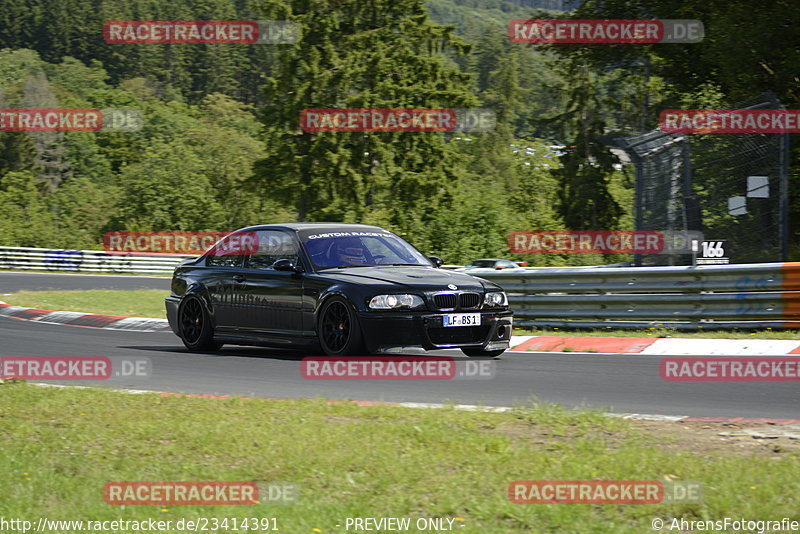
(424, 278)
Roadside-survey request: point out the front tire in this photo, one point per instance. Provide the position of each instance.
(195, 326)
(338, 328)
(485, 354)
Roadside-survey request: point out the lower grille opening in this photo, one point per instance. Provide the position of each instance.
(458, 334)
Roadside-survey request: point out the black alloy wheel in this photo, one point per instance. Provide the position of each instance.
(339, 331)
(195, 326)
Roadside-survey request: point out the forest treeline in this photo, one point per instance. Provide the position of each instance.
(221, 146)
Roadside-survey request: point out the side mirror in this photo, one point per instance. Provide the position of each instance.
(436, 261)
(287, 265)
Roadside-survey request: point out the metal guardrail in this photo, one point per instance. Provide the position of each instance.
(42, 259)
(764, 295)
(26, 258)
(713, 296)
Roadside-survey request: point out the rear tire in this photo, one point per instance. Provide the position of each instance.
(485, 354)
(338, 329)
(195, 326)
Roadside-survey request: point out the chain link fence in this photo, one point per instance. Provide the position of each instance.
(731, 187)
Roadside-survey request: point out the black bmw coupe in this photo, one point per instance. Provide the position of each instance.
(344, 289)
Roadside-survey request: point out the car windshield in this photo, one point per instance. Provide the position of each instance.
(482, 263)
(330, 249)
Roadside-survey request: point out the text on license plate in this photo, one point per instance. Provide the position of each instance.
(462, 319)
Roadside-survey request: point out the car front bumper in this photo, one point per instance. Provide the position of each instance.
(424, 329)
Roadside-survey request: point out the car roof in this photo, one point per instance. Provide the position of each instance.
(315, 226)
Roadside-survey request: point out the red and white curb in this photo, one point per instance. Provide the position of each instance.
(599, 344)
(656, 346)
(92, 320)
(459, 407)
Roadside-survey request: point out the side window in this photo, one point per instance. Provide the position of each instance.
(223, 261)
(273, 245)
(227, 252)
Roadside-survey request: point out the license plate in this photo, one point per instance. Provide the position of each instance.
(462, 319)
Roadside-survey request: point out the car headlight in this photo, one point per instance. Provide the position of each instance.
(495, 299)
(392, 302)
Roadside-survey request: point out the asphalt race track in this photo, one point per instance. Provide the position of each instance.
(621, 383)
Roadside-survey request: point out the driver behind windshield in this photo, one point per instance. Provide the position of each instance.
(349, 251)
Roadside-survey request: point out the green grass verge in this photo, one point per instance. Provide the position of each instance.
(134, 303)
(61, 446)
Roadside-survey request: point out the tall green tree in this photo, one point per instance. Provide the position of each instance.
(587, 163)
(363, 54)
(25, 219)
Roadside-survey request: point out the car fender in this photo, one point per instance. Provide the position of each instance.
(200, 291)
(325, 296)
(330, 292)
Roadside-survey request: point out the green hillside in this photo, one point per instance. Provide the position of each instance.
(468, 13)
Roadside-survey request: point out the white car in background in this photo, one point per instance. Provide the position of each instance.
(490, 264)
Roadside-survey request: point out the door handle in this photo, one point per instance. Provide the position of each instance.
(238, 277)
